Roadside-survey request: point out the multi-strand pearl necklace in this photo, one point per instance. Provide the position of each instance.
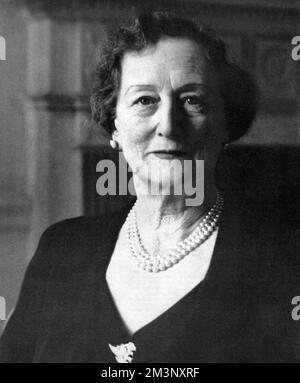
(155, 264)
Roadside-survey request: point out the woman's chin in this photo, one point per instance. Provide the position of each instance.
(156, 185)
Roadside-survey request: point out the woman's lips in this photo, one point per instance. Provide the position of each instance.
(170, 154)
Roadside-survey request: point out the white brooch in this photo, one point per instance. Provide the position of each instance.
(124, 352)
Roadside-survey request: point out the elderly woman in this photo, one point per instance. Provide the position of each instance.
(163, 280)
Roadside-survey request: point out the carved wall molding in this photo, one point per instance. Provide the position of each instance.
(61, 103)
(276, 71)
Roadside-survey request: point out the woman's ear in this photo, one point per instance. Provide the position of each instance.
(116, 123)
(115, 135)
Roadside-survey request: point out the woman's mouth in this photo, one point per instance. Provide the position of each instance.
(170, 154)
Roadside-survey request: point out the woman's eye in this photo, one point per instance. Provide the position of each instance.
(193, 104)
(146, 101)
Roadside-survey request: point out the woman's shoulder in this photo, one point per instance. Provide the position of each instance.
(78, 236)
(88, 226)
(75, 226)
(74, 231)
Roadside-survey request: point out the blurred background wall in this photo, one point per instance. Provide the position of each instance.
(47, 143)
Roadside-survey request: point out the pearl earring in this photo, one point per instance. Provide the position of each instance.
(114, 144)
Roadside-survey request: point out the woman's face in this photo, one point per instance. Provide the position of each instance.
(169, 108)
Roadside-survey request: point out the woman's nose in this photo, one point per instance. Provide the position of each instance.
(170, 121)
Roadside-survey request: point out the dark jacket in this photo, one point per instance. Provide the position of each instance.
(241, 312)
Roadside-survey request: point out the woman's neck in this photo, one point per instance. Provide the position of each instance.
(170, 215)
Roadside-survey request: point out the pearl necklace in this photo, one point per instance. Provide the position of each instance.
(155, 264)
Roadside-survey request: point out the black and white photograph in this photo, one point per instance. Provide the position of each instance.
(150, 183)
